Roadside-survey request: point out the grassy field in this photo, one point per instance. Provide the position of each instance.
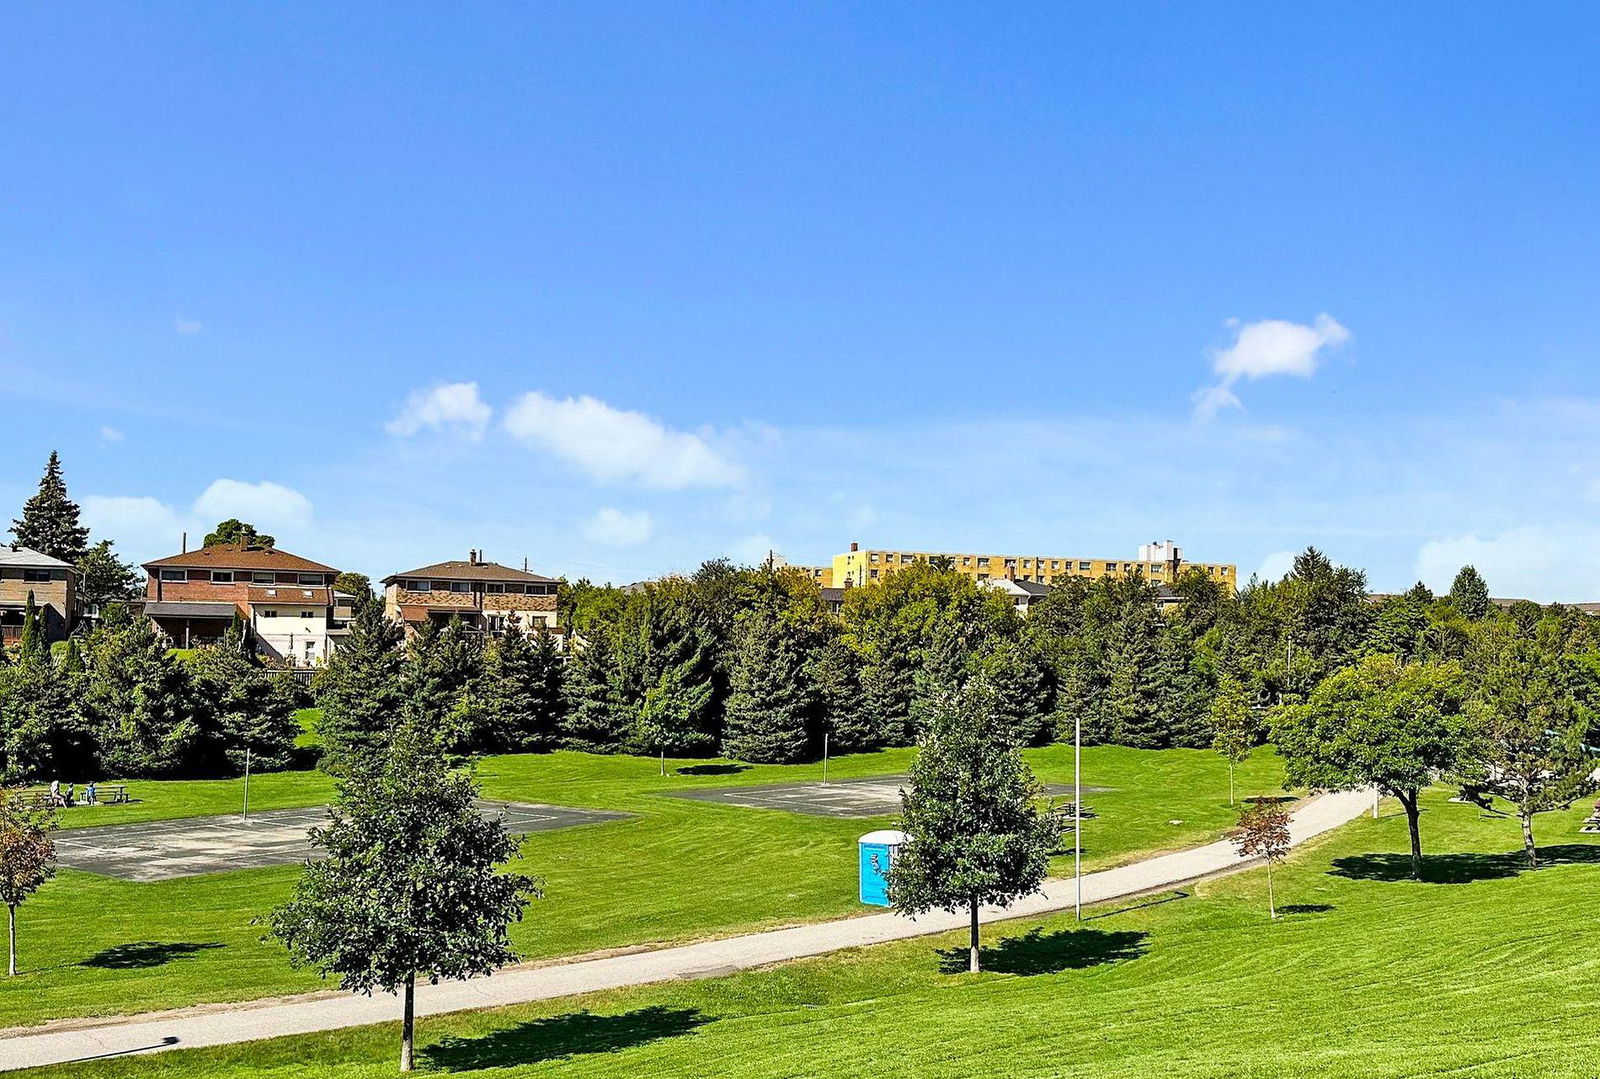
(676, 871)
(1484, 970)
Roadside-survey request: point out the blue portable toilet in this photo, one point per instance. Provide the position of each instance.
(877, 851)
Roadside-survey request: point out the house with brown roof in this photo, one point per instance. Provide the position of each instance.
(287, 603)
(484, 595)
(51, 582)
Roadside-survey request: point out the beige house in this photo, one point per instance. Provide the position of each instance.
(53, 584)
(484, 595)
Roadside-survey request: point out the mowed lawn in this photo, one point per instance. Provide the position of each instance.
(678, 870)
(1485, 970)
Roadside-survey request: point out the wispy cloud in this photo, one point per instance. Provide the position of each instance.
(614, 445)
(451, 407)
(1266, 349)
(618, 528)
(187, 327)
(110, 434)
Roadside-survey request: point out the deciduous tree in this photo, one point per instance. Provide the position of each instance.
(27, 860)
(1263, 832)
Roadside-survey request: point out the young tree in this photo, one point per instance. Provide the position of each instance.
(1263, 832)
(1236, 726)
(974, 832)
(234, 530)
(770, 708)
(1530, 727)
(669, 720)
(49, 521)
(360, 690)
(1469, 593)
(27, 859)
(412, 884)
(1377, 722)
(105, 578)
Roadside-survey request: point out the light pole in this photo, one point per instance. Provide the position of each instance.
(1077, 814)
(246, 812)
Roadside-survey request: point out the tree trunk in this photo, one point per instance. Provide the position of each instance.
(1272, 902)
(11, 938)
(1231, 800)
(1409, 800)
(972, 947)
(663, 762)
(408, 1025)
(1527, 839)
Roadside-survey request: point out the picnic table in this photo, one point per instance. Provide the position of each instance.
(104, 794)
(1064, 814)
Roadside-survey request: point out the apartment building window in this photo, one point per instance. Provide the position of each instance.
(966, 560)
(1011, 563)
(260, 577)
(1055, 563)
(309, 578)
(873, 574)
(906, 559)
(222, 576)
(983, 563)
(1085, 567)
(873, 557)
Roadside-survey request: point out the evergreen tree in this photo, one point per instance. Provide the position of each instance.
(771, 705)
(670, 718)
(834, 673)
(49, 521)
(1469, 593)
(521, 692)
(32, 648)
(41, 723)
(1022, 689)
(360, 690)
(414, 883)
(436, 685)
(974, 832)
(248, 707)
(139, 704)
(595, 718)
(1400, 628)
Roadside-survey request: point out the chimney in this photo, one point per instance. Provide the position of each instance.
(854, 546)
(186, 543)
(472, 557)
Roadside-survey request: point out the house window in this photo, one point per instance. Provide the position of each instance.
(263, 577)
(308, 614)
(36, 575)
(309, 578)
(222, 576)
(440, 586)
(458, 586)
(269, 614)
(174, 575)
(495, 588)
(416, 586)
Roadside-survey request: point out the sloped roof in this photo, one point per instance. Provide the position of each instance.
(238, 556)
(28, 558)
(288, 595)
(471, 571)
(185, 609)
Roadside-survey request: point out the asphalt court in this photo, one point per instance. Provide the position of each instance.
(875, 796)
(161, 850)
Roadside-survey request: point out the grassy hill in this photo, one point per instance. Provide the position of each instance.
(1484, 970)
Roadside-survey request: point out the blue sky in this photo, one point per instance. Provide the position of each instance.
(617, 288)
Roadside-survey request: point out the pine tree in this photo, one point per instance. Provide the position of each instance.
(445, 665)
(41, 723)
(834, 672)
(49, 521)
(771, 705)
(595, 718)
(1470, 593)
(360, 690)
(974, 832)
(31, 648)
(1022, 690)
(249, 708)
(671, 718)
(521, 692)
(139, 704)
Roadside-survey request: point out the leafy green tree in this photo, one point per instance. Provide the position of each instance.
(1469, 593)
(249, 707)
(360, 690)
(139, 703)
(522, 691)
(1531, 726)
(27, 860)
(41, 723)
(105, 578)
(1400, 628)
(669, 720)
(412, 884)
(595, 718)
(234, 530)
(1379, 722)
(771, 707)
(974, 832)
(1236, 725)
(49, 521)
(355, 584)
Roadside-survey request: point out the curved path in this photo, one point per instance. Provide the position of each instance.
(77, 1040)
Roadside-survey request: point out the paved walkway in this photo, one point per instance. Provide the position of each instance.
(246, 1022)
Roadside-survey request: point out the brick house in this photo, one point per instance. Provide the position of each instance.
(484, 595)
(54, 585)
(288, 602)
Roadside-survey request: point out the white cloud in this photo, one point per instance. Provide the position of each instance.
(110, 434)
(186, 327)
(1530, 562)
(614, 445)
(1276, 566)
(1265, 349)
(454, 407)
(618, 528)
(145, 527)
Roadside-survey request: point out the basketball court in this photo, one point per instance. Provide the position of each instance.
(874, 796)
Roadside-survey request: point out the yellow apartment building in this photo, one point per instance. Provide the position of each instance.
(1160, 563)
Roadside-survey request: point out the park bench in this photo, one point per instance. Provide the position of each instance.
(1592, 824)
(107, 794)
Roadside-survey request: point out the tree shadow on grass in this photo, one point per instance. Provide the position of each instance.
(1038, 952)
(1461, 868)
(1305, 908)
(143, 954)
(712, 769)
(561, 1036)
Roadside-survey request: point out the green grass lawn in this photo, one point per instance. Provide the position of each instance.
(676, 871)
(1485, 970)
